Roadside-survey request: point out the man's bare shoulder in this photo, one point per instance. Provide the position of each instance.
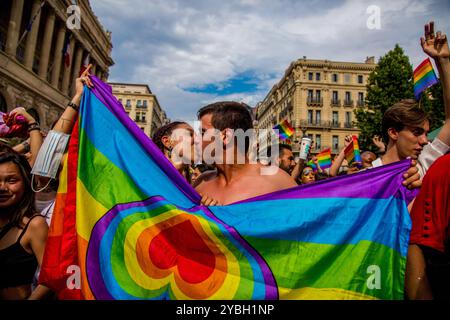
(281, 178)
(274, 178)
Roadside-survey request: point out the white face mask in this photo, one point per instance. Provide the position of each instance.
(50, 154)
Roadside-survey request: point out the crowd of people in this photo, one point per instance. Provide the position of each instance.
(28, 181)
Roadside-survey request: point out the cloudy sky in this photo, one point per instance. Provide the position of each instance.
(193, 52)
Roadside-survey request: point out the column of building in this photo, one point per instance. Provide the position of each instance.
(57, 60)
(32, 35)
(69, 74)
(15, 22)
(46, 45)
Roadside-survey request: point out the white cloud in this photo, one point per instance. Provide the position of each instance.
(171, 45)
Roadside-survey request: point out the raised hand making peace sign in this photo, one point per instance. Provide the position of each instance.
(434, 45)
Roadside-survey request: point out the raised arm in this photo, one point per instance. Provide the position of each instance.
(67, 120)
(378, 142)
(436, 46)
(334, 169)
(34, 132)
(23, 147)
(297, 171)
(315, 160)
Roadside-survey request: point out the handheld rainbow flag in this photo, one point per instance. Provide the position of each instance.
(285, 131)
(126, 225)
(424, 77)
(312, 165)
(352, 152)
(324, 159)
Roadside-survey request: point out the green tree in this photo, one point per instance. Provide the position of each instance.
(433, 103)
(390, 82)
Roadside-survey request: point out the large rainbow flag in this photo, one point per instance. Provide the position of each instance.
(424, 77)
(128, 226)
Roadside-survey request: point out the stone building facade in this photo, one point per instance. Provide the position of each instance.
(141, 105)
(318, 98)
(33, 73)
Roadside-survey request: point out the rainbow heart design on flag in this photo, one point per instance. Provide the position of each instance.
(152, 250)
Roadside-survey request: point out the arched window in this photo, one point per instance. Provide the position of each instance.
(3, 107)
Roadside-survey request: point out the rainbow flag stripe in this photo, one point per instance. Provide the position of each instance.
(128, 226)
(352, 152)
(312, 165)
(285, 131)
(324, 159)
(424, 77)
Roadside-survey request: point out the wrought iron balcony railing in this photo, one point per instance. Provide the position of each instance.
(348, 103)
(335, 102)
(318, 102)
(335, 124)
(315, 124)
(348, 125)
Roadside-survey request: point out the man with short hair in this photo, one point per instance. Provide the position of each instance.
(234, 181)
(405, 126)
(285, 159)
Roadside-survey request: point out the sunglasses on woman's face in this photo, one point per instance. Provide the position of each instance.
(306, 172)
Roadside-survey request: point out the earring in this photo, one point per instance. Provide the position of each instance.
(169, 153)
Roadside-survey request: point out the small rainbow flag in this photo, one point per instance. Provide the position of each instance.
(324, 159)
(352, 152)
(285, 131)
(424, 77)
(312, 165)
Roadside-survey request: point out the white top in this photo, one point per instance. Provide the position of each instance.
(48, 212)
(429, 154)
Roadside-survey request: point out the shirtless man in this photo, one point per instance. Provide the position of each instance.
(233, 182)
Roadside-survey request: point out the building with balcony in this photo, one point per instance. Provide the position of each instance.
(318, 98)
(141, 105)
(33, 73)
